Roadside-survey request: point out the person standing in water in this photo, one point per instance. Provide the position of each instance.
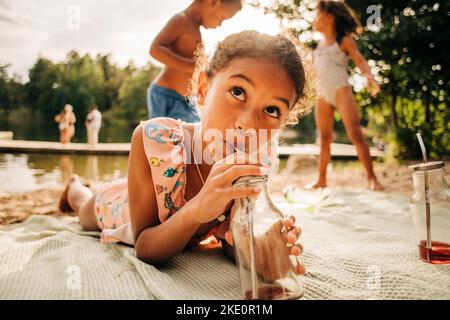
(175, 46)
(337, 24)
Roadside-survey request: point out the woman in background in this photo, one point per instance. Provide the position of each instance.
(66, 120)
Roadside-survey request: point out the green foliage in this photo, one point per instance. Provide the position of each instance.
(408, 50)
(80, 81)
(133, 95)
(12, 91)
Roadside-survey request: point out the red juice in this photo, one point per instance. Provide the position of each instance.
(270, 293)
(265, 293)
(438, 254)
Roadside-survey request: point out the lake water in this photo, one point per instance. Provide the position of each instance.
(29, 172)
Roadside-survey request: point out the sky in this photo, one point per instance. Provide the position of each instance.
(51, 28)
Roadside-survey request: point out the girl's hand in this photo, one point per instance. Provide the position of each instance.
(373, 86)
(218, 191)
(275, 245)
(279, 246)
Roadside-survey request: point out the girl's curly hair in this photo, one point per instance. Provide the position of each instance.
(345, 21)
(253, 44)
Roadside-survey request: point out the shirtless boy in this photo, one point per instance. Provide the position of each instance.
(174, 46)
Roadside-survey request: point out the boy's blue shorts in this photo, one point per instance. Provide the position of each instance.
(164, 102)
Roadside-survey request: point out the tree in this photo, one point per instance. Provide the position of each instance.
(82, 83)
(408, 50)
(79, 80)
(133, 95)
(113, 79)
(44, 87)
(5, 99)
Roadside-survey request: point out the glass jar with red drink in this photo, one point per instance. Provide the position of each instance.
(430, 207)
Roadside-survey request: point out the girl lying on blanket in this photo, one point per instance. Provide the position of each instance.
(176, 196)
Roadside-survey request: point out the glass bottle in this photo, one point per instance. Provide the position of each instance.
(265, 269)
(430, 208)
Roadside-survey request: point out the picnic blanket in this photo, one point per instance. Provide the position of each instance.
(358, 245)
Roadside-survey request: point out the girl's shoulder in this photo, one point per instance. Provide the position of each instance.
(164, 146)
(332, 49)
(161, 135)
(162, 125)
(348, 44)
(162, 121)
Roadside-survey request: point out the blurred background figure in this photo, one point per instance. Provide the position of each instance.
(66, 120)
(174, 47)
(93, 124)
(92, 174)
(66, 166)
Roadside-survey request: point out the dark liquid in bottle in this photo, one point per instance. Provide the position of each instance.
(270, 293)
(438, 254)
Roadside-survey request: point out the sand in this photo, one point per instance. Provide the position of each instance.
(15, 208)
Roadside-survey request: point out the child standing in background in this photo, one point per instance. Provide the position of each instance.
(337, 23)
(174, 46)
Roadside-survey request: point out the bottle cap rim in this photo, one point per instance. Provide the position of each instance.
(427, 166)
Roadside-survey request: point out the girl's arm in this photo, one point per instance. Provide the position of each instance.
(351, 48)
(155, 242)
(160, 48)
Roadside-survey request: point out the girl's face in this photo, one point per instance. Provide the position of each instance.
(249, 96)
(322, 21)
(216, 12)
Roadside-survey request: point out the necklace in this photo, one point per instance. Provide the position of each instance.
(222, 217)
(195, 159)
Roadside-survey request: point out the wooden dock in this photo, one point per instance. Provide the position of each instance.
(338, 150)
(6, 135)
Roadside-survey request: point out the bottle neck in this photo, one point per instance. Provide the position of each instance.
(254, 181)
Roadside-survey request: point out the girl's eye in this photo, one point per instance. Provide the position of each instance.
(238, 93)
(272, 111)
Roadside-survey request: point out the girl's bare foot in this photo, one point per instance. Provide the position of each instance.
(375, 185)
(64, 205)
(316, 185)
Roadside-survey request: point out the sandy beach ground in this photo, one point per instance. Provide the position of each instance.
(298, 171)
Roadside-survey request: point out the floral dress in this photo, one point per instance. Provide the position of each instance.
(165, 149)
